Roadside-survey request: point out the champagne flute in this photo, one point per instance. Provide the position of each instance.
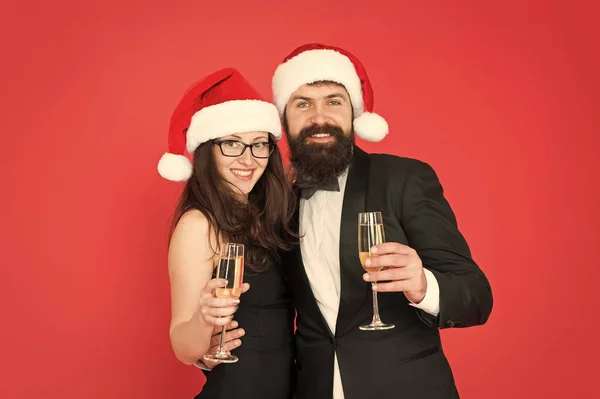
(230, 268)
(371, 233)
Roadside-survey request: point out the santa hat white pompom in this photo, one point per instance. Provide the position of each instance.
(371, 127)
(174, 167)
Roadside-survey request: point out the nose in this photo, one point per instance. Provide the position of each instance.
(246, 158)
(319, 117)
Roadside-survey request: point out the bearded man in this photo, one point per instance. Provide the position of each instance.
(429, 280)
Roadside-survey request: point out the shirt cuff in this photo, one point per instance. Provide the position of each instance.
(431, 301)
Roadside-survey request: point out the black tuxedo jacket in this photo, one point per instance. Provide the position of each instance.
(407, 361)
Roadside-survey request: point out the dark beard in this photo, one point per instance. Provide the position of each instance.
(321, 163)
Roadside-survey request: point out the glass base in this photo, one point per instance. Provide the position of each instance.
(221, 358)
(377, 326)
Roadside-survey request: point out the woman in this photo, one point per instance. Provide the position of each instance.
(236, 191)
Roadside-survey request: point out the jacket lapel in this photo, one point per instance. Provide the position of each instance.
(354, 290)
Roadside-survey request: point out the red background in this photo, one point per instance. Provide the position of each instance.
(501, 99)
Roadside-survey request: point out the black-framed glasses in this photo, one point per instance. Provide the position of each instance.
(233, 148)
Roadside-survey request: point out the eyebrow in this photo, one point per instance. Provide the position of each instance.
(339, 94)
(330, 96)
(297, 97)
(253, 140)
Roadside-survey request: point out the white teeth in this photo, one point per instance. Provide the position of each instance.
(243, 173)
(321, 135)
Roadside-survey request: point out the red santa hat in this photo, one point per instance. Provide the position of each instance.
(318, 62)
(219, 105)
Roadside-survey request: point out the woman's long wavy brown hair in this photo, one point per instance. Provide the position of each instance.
(262, 224)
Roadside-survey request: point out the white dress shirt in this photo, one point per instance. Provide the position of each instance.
(320, 223)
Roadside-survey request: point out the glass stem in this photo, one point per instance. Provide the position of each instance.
(376, 318)
(220, 351)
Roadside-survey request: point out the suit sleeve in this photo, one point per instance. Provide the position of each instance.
(465, 296)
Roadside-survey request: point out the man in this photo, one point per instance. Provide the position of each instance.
(429, 281)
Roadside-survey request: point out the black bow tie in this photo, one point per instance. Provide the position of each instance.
(307, 189)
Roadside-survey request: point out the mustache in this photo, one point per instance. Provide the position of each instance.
(310, 131)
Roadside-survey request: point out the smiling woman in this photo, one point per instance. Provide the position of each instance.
(235, 192)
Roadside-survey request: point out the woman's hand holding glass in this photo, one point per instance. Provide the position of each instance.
(217, 311)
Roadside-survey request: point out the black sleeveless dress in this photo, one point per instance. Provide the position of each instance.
(265, 369)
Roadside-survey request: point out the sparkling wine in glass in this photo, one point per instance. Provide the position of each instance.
(230, 268)
(371, 233)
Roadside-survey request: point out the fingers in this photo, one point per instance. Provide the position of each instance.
(412, 288)
(231, 339)
(391, 248)
(388, 261)
(219, 302)
(233, 324)
(245, 287)
(393, 274)
(217, 320)
(219, 312)
(229, 326)
(231, 345)
(210, 287)
(394, 286)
